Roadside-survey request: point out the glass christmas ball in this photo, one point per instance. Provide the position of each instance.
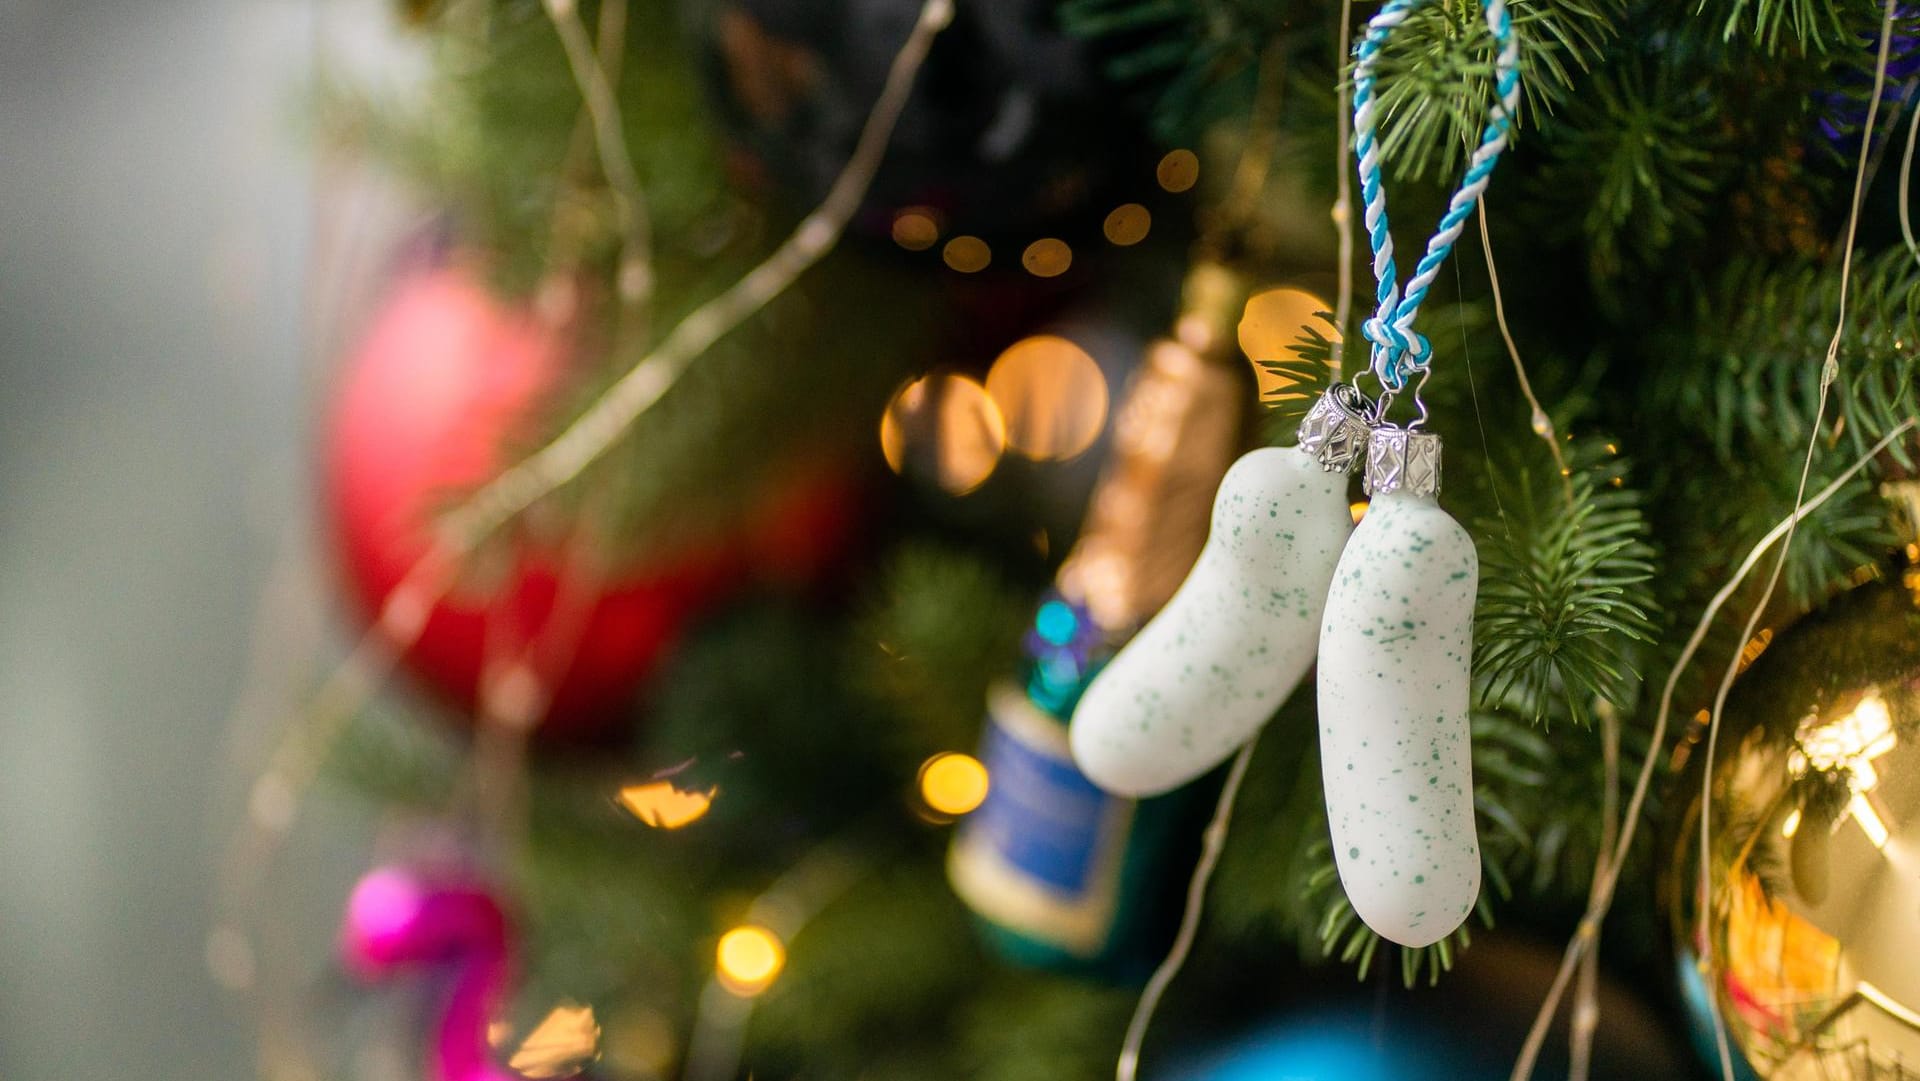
(1813, 913)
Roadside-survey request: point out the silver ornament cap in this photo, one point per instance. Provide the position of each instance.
(1335, 430)
(1403, 460)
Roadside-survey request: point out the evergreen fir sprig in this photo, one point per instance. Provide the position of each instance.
(1436, 74)
(1195, 57)
(1764, 330)
(1565, 592)
(941, 626)
(1299, 381)
(1760, 335)
(1805, 25)
(1344, 938)
(1634, 165)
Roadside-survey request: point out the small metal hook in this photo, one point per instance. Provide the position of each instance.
(1426, 372)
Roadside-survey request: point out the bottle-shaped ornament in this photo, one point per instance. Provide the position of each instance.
(1058, 872)
(1240, 634)
(1395, 653)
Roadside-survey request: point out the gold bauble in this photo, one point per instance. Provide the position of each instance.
(1815, 849)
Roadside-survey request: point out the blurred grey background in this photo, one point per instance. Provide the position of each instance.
(158, 215)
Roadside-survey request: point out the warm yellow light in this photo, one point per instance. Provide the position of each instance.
(1862, 812)
(1048, 257)
(1272, 322)
(1178, 171)
(953, 784)
(916, 229)
(1864, 733)
(1358, 510)
(560, 1045)
(660, 805)
(1051, 394)
(1755, 646)
(1128, 224)
(947, 426)
(967, 254)
(748, 959)
(1792, 824)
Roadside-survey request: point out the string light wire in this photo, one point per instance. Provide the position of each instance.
(1829, 371)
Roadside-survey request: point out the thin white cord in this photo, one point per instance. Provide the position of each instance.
(1214, 843)
(1828, 372)
(1602, 898)
(1906, 188)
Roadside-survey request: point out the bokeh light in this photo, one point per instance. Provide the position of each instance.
(1178, 171)
(1052, 396)
(946, 426)
(967, 254)
(1128, 224)
(953, 784)
(1358, 510)
(661, 805)
(1274, 320)
(916, 228)
(1048, 257)
(561, 1045)
(640, 1040)
(748, 960)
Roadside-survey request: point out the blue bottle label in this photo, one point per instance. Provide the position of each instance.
(1042, 857)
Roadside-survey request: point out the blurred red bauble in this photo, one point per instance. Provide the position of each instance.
(449, 386)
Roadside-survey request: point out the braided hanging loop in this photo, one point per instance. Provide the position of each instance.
(1399, 352)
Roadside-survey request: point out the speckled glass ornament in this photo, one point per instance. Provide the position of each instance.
(1395, 754)
(1202, 677)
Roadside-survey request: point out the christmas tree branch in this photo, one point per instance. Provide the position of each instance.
(635, 282)
(1602, 897)
(609, 417)
(1829, 370)
(402, 616)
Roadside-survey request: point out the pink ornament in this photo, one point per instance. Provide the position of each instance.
(397, 920)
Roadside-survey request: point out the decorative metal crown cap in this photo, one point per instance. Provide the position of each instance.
(1403, 460)
(1335, 430)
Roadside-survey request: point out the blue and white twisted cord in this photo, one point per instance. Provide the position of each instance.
(1399, 352)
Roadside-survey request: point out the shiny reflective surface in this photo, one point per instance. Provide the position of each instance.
(1815, 918)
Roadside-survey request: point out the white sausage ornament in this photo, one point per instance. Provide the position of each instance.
(1207, 671)
(1395, 653)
